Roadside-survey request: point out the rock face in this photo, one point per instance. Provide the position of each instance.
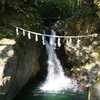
(86, 54)
(95, 91)
(82, 54)
(18, 64)
(18, 59)
(80, 50)
(6, 54)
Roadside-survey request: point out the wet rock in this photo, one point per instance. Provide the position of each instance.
(95, 91)
(18, 64)
(79, 51)
(82, 55)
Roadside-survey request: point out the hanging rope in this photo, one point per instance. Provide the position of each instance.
(56, 36)
(52, 37)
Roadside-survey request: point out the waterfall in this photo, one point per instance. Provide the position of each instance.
(56, 80)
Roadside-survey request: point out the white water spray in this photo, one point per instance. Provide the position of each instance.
(56, 81)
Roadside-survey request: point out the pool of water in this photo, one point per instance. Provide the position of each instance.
(52, 96)
(33, 93)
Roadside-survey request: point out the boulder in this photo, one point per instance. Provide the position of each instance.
(95, 91)
(18, 64)
(18, 55)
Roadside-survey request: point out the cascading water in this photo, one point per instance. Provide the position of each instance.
(57, 86)
(56, 80)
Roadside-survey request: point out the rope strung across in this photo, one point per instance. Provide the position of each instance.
(56, 36)
(52, 36)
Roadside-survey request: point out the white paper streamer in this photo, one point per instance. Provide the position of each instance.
(29, 35)
(78, 43)
(69, 42)
(17, 31)
(59, 44)
(43, 40)
(51, 40)
(23, 32)
(36, 37)
(43, 37)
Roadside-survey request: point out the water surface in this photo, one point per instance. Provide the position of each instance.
(33, 93)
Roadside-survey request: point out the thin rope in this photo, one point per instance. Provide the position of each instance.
(56, 36)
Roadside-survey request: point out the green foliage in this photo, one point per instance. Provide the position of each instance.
(33, 19)
(62, 8)
(33, 11)
(2, 35)
(65, 8)
(74, 68)
(54, 8)
(2, 1)
(23, 50)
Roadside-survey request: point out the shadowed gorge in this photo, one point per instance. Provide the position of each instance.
(54, 41)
